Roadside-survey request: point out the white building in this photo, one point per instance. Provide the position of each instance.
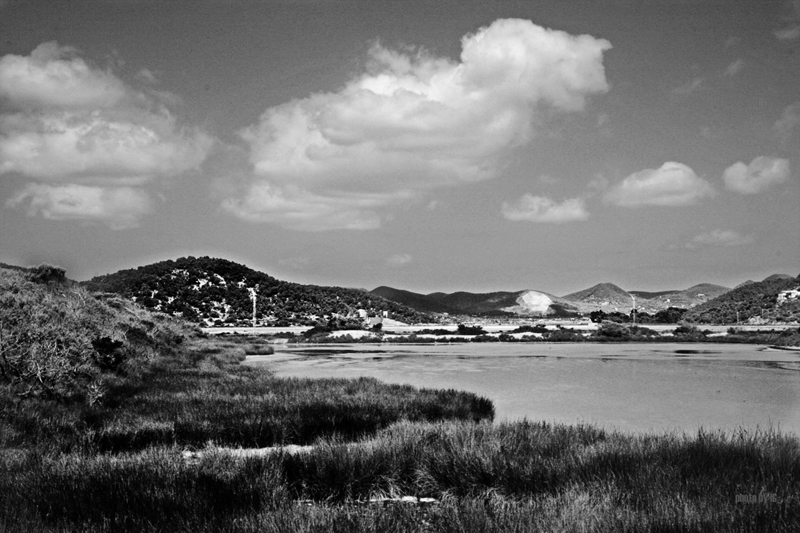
(785, 296)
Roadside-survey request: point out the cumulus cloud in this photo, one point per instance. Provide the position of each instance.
(540, 209)
(787, 124)
(95, 147)
(399, 260)
(118, 207)
(761, 173)
(411, 123)
(674, 184)
(300, 209)
(67, 122)
(54, 77)
(734, 68)
(718, 238)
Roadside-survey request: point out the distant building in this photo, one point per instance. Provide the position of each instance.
(785, 296)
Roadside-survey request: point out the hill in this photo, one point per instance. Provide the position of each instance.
(604, 296)
(430, 303)
(754, 302)
(526, 303)
(687, 299)
(217, 291)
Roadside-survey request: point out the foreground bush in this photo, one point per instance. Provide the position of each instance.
(60, 342)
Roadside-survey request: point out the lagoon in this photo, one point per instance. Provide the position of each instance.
(628, 387)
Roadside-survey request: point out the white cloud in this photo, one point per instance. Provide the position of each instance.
(718, 238)
(690, 87)
(118, 207)
(147, 76)
(67, 122)
(131, 147)
(413, 122)
(734, 68)
(785, 126)
(761, 173)
(674, 184)
(399, 260)
(788, 34)
(54, 77)
(540, 209)
(300, 209)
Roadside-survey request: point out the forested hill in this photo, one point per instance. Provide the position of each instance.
(755, 302)
(217, 291)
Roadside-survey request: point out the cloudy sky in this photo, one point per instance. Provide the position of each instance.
(428, 145)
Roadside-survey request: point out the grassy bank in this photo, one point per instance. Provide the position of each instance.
(203, 395)
(510, 477)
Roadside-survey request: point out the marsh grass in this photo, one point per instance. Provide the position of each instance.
(520, 476)
(204, 395)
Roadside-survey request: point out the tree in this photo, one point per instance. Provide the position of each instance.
(597, 316)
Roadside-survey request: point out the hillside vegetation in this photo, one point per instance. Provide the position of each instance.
(218, 292)
(754, 302)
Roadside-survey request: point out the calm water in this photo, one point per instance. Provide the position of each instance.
(631, 387)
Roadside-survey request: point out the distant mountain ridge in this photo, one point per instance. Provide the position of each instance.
(605, 297)
(217, 291)
(494, 303)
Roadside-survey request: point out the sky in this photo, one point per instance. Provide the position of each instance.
(426, 145)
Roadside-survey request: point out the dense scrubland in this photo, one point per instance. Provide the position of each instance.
(211, 290)
(101, 399)
(754, 300)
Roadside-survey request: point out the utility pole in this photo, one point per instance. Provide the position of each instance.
(253, 297)
(634, 309)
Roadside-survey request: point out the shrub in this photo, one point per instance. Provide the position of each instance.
(613, 330)
(463, 329)
(58, 341)
(45, 273)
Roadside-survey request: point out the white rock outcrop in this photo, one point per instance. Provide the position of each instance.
(531, 303)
